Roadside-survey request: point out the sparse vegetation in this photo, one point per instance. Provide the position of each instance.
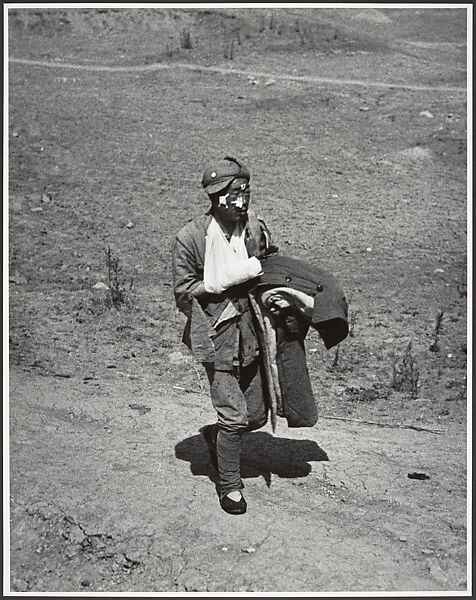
(186, 39)
(434, 346)
(371, 393)
(462, 286)
(261, 24)
(169, 50)
(228, 53)
(335, 361)
(352, 320)
(117, 295)
(405, 373)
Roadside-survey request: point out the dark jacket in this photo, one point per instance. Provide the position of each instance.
(202, 308)
(329, 318)
(329, 315)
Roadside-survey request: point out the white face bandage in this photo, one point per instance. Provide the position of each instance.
(239, 198)
(238, 202)
(222, 200)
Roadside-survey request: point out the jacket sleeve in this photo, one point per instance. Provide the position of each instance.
(187, 276)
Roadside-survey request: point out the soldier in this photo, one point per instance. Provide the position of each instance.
(216, 262)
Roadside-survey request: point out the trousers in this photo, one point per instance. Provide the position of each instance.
(238, 399)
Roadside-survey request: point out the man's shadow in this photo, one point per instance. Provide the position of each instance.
(262, 455)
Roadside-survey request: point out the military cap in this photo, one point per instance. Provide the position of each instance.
(222, 173)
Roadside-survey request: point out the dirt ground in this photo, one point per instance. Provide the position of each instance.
(353, 123)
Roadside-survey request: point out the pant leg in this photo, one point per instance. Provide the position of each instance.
(251, 384)
(230, 404)
(238, 399)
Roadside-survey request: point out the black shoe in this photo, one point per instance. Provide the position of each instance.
(210, 433)
(232, 507)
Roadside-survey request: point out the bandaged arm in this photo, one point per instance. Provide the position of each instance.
(232, 273)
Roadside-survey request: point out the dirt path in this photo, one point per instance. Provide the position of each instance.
(226, 71)
(120, 496)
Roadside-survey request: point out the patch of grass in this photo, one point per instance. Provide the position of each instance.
(366, 394)
(405, 373)
(186, 39)
(462, 287)
(352, 319)
(261, 24)
(229, 51)
(434, 347)
(117, 295)
(335, 361)
(238, 36)
(170, 51)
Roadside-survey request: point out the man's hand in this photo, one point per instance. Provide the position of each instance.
(280, 298)
(275, 303)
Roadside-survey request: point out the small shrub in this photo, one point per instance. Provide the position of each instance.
(116, 286)
(362, 394)
(406, 376)
(228, 52)
(434, 347)
(186, 39)
(462, 287)
(335, 362)
(169, 51)
(352, 319)
(150, 59)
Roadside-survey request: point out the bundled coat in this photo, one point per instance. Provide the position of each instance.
(295, 399)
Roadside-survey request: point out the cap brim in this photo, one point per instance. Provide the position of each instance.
(214, 187)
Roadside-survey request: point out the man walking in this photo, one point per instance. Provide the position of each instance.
(216, 262)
